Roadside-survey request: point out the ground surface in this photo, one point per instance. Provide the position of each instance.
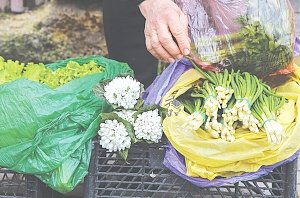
(52, 32)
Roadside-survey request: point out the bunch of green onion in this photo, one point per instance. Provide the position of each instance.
(224, 102)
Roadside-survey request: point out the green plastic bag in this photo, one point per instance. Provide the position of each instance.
(48, 132)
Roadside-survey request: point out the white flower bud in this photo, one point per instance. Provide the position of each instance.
(126, 115)
(123, 92)
(148, 126)
(114, 136)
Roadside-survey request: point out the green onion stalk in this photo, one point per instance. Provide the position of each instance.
(222, 82)
(223, 87)
(230, 115)
(220, 129)
(209, 95)
(227, 132)
(265, 111)
(196, 110)
(247, 88)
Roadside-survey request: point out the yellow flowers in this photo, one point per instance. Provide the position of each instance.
(13, 70)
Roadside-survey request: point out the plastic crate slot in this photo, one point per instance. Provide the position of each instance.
(16, 185)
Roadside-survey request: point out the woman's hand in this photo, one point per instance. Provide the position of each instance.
(166, 29)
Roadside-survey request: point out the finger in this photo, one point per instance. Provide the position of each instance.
(180, 34)
(167, 41)
(158, 48)
(185, 23)
(150, 48)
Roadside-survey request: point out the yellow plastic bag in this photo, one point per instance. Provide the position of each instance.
(208, 158)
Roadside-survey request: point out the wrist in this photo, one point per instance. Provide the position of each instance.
(147, 5)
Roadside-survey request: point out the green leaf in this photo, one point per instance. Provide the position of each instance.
(33, 71)
(128, 125)
(99, 90)
(139, 104)
(162, 111)
(123, 154)
(188, 105)
(251, 45)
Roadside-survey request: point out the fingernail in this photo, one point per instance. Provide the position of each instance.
(171, 60)
(179, 56)
(186, 52)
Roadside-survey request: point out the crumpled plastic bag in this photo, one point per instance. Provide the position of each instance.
(48, 132)
(251, 35)
(209, 158)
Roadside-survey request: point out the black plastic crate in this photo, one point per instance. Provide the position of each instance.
(145, 176)
(16, 185)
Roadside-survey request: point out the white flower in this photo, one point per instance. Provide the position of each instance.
(148, 126)
(114, 136)
(123, 92)
(126, 115)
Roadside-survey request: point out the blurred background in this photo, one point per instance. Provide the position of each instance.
(45, 31)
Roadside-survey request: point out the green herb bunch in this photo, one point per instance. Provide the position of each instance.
(252, 49)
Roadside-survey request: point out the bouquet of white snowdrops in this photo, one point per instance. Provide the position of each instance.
(129, 122)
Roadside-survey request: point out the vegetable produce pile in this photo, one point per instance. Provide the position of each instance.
(247, 35)
(252, 49)
(48, 132)
(223, 102)
(225, 127)
(224, 123)
(12, 70)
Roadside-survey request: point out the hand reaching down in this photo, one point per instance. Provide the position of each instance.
(166, 29)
